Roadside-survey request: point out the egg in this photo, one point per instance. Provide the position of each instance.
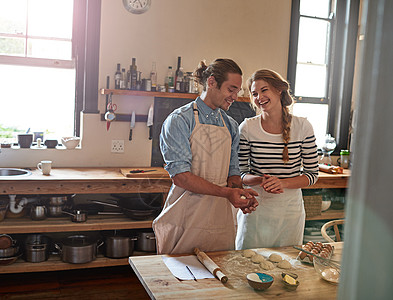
(302, 255)
(324, 254)
(318, 248)
(319, 244)
(307, 247)
(310, 243)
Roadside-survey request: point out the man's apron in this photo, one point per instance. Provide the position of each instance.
(190, 220)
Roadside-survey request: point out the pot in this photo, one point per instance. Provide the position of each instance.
(77, 216)
(55, 210)
(118, 245)
(146, 241)
(38, 212)
(78, 249)
(37, 248)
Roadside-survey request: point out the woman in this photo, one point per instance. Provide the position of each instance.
(278, 157)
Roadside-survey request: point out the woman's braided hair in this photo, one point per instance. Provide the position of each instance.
(280, 84)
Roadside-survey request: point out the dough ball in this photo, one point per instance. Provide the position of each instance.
(267, 265)
(284, 264)
(248, 253)
(275, 257)
(257, 258)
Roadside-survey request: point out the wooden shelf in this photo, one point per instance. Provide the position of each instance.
(54, 263)
(93, 223)
(158, 94)
(328, 214)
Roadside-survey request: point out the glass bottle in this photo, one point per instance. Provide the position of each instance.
(180, 81)
(134, 74)
(117, 77)
(123, 79)
(153, 77)
(169, 79)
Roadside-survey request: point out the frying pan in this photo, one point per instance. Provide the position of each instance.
(131, 213)
(151, 201)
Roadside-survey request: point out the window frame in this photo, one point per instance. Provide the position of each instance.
(342, 47)
(85, 58)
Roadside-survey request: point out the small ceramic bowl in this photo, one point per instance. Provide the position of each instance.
(70, 142)
(260, 281)
(290, 281)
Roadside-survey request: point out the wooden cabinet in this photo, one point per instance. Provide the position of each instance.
(99, 181)
(77, 181)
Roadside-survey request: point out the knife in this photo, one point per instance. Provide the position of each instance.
(141, 171)
(132, 125)
(150, 121)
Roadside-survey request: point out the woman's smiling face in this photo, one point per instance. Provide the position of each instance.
(264, 96)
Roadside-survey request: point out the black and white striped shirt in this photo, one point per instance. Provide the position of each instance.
(261, 152)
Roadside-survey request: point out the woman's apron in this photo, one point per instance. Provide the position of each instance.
(190, 220)
(278, 221)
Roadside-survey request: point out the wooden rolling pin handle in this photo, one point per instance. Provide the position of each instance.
(210, 265)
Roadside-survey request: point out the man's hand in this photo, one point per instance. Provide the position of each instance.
(243, 199)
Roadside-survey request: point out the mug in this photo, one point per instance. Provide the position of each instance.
(45, 166)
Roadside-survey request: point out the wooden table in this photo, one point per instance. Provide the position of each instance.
(161, 284)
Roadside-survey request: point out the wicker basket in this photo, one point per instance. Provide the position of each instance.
(312, 205)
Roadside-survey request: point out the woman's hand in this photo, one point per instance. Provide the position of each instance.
(272, 184)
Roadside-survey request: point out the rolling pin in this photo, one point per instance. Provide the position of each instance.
(210, 265)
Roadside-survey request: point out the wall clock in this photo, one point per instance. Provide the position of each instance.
(137, 6)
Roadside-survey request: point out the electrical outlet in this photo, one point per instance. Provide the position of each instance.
(117, 146)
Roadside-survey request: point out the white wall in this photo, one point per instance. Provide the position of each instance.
(254, 33)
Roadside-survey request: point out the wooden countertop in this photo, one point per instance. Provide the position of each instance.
(87, 181)
(111, 180)
(161, 284)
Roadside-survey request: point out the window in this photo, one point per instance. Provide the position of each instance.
(43, 65)
(320, 66)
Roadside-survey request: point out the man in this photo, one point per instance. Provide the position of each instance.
(199, 144)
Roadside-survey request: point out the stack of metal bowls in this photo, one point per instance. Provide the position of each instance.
(56, 205)
(9, 250)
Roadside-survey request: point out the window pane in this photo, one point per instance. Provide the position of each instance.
(310, 80)
(315, 8)
(48, 18)
(41, 99)
(13, 16)
(49, 49)
(12, 46)
(317, 115)
(313, 41)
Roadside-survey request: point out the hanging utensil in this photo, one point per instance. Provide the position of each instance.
(110, 113)
(150, 121)
(132, 125)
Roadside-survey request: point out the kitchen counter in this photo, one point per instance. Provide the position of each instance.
(161, 284)
(87, 181)
(111, 180)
